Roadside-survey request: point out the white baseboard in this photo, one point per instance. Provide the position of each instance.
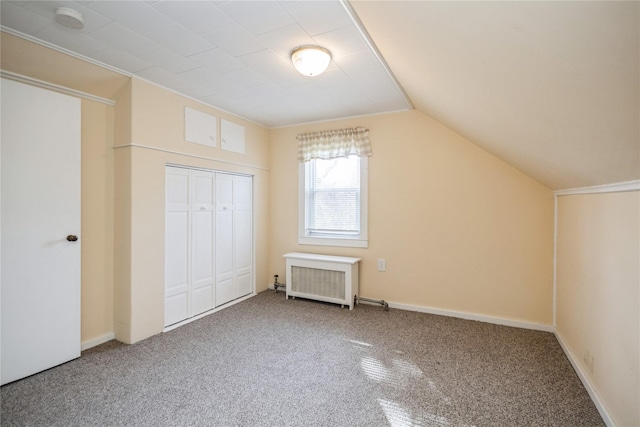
(97, 341)
(585, 380)
(473, 316)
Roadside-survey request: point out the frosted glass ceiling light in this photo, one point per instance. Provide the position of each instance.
(70, 18)
(310, 60)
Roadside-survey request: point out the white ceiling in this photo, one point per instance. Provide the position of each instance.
(233, 55)
(551, 87)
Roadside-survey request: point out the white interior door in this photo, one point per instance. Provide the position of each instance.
(40, 197)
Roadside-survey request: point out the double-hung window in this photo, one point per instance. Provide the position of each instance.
(333, 201)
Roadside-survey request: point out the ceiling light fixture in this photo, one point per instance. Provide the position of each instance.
(70, 18)
(310, 60)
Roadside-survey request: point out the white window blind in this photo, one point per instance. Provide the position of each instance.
(333, 197)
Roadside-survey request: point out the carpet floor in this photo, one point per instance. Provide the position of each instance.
(269, 361)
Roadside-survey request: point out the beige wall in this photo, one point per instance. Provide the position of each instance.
(97, 169)
(598, 295)
(156, 139)
(460, 229)
(97, 220)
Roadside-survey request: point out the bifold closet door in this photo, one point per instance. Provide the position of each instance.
(202, 287)
(234, 237)
(243, 234)
(189, 287)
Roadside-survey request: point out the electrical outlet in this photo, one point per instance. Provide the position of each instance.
(382, 264)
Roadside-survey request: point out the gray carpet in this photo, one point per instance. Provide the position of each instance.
(275, 362)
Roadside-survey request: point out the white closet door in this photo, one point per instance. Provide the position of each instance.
(189, 284)
(225, 290)
(243, 234)
(234, 237)
(176, 306)
(202, 292)
(40, 264)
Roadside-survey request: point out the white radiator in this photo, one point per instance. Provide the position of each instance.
(322, 277)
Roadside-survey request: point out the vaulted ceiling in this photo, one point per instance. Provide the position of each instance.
(553, 88)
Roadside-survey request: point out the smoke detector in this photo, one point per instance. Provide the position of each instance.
(69, 18)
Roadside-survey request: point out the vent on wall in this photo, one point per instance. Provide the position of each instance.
(313, 281)
(322, 277)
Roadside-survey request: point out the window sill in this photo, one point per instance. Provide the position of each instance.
(330, 241)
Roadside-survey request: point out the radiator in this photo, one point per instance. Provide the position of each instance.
(322, 277)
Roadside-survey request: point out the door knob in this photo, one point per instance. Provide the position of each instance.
(72, 238)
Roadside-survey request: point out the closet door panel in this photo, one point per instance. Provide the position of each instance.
(224, 230)
(177, 246)
(202, 254)
(202, 242)
(224, 190)
(243, 284)
(242, 242)
(225, 291)
(242, 194)
(224, 256)
(243, 234)
(177, 253)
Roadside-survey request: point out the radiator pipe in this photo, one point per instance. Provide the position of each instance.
(382, 302)
(276, 284)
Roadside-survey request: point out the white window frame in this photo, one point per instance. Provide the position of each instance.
(359, 241)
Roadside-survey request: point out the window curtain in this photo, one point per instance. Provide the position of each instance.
(332, 144)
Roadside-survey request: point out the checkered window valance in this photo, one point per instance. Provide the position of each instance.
(332, 144)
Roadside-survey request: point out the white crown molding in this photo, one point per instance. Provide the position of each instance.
(63, 50)
(54, 87)
(606, 188)
(115, 70)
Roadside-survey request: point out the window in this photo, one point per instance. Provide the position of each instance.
(333, 202)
